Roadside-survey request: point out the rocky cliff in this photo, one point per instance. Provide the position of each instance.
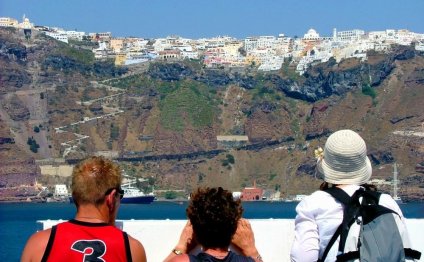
(162, 122)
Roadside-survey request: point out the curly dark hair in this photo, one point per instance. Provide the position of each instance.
(214, 214)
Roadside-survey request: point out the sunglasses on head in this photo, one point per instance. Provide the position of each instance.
(119, 190)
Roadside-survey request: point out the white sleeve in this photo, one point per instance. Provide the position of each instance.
(387, 201)
(305, 247)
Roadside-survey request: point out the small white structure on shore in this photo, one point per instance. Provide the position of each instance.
(299, 197)
(61, 191)
(236, 195)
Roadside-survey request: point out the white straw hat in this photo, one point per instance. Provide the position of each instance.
(345, 159)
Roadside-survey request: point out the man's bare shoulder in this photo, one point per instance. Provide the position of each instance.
(137, 250)
(35, 246)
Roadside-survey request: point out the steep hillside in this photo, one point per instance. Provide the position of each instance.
(162, 121)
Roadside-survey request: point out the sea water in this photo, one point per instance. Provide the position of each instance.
(18, 220)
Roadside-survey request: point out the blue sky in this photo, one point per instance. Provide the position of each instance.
(201, 18)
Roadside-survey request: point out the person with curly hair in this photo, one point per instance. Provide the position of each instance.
(215, 223)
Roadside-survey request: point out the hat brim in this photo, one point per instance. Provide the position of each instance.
(357, 177)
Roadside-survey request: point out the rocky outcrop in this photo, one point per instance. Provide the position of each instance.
(170, 71)
(211, 77)
(215, 78)
(264, 106)
(68, 65)
(6, 140)
(269, 143)
(325, 79)
(381, 157)
(318, 134)
(321, 83)
(12, 77)
(96, 108)
(13, 57)
(14, 173)
(308, 168)
(17, 109)
(13, 51)
(420, 167)
(397, 119)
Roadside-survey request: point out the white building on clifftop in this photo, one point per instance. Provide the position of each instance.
(8, 22)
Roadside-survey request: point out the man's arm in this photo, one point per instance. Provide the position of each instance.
(137, 250)
(35, 246)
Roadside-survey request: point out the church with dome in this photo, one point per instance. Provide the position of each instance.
(311, 35)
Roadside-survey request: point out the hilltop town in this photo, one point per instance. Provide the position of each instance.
(267, 53)
(178, 113)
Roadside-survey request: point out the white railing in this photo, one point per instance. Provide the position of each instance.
(273, 237)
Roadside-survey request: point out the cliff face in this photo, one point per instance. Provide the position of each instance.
(327, 79)
(56, 101)
(319, 81)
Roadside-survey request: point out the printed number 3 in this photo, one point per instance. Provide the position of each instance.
(97, 248)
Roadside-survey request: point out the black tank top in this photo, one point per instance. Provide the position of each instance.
(231, 257)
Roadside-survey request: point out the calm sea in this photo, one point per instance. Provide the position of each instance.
(18, 221)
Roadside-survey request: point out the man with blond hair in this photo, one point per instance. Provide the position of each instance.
(91, 235)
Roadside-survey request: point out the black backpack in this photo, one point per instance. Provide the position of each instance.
(369, 231)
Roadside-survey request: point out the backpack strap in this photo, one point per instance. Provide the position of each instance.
(330, 243)
(341, 196)
(351, 209)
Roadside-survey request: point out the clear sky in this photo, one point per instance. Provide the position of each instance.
(209, 18)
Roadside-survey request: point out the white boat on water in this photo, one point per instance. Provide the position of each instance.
(133, 195)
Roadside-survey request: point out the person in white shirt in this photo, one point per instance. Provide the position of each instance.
(344, 163)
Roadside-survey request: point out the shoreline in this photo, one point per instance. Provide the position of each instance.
(11, 200)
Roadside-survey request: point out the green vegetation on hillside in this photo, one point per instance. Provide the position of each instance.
(129, 81)
(288, 71)
(171, 195)
(114, 131)
(33, 146)
(228, 161)
(196, 64)
(262, 92)
(186, 102)
(83, 56)
(369, 91)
